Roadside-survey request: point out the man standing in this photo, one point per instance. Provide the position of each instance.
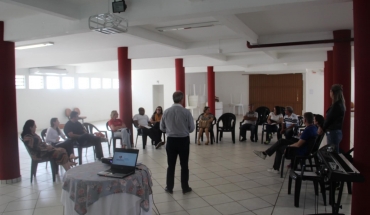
(142, 121)
(250, 124)
(75, 130)
(177, 122)
(290, 122)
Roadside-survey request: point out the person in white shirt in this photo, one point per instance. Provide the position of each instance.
(250, 119)
(290, 122)
(53, 135)
(274, 121)
(142, 122)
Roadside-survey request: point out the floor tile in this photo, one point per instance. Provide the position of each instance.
(254, 203)
(204, 211)
(48, 202)
(20, 212)
(261, 191)
(217, 199)
(164, 207)
(217, 181)
(57, 210)
(230, 208)
(21, 205)
(192, 203)
(206, 191)
(240, 195)
(226, 188)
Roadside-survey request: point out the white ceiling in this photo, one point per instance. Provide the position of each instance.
(222, 46)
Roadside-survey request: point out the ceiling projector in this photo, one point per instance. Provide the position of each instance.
(119, 6)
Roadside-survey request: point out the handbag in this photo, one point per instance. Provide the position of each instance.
(203, 123)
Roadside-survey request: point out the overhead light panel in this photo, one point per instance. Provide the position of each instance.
(47, 71)
(188, 26)
(32, 46)
(108, 23)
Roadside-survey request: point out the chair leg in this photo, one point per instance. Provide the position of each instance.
(136, 139)
(323, 191)
(196, 135)
(233, 136)
(316, 187)
(290, 185)
(217, 136)
(54, 167)
(79, 155)
(349, 187)
(297, 191)
(282, 166)
(114, 145)
(33, 169)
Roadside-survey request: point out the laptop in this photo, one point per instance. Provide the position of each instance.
(123, 163)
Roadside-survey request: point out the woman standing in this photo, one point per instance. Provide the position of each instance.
(205, 123)
(39, 150)
(274, 120)
(53, 135)
(335, 116)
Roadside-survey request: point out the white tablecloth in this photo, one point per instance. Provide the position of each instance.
(116, 204)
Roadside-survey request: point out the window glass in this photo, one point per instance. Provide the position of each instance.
(20, 82)
(68, 83)
(52, 82)
(95, 83)
(107, 83)
(115, 84)
(83, 83)
(36, 82)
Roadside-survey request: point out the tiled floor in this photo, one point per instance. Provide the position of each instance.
(226, 178)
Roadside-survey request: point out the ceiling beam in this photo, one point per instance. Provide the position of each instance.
(272, 54)
(234, 23)
(57, 8)
(219, 57)
(156, 37)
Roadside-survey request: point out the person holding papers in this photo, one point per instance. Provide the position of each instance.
(274, 119)
(141, 121)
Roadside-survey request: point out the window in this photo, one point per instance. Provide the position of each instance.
(52, 82)
(36, 82)
(115, 83)
(68, 83)
(83, 83)
(20, 82)
(95, 83)
(107, 83)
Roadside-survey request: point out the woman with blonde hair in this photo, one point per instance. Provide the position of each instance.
(205, 123)
(335, 116)
(120, 130)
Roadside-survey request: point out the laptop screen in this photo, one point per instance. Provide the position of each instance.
(124, 159)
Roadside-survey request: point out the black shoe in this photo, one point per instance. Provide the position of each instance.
(252, 139)
(188, 190)
(168, 191)
(159, 145)
(243, 139)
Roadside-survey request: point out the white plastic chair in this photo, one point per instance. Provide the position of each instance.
(239, 105)
(191, 103)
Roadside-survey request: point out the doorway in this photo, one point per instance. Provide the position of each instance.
(158, 96)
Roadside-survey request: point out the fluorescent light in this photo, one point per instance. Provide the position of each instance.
(39, 45)
(187, 26)
(47, 71)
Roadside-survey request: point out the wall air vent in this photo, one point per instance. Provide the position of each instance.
(108, 24)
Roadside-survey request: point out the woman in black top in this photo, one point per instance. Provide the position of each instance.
(335, 116)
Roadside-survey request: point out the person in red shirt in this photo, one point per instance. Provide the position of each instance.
(120, 130)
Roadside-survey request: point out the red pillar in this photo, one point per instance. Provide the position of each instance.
(180, 76)
(342, 75)
(328, 80)
(8, 109)
(125, 90)
(211, 89)
(361, 191)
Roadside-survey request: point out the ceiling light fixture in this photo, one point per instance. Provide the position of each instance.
(47, 71)
(32, 46)
(188, 26)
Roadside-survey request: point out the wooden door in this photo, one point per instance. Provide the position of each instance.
(277, 90)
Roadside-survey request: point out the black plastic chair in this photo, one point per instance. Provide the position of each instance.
(255, 131)
(211, 133)
(263, 113)
(34, 163)
(112, 138)
(228, 125)
(91, 129)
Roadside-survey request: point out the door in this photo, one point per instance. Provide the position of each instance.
(158, 96)
(277, 90)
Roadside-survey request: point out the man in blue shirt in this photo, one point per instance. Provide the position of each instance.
(308, 136)
(177, 122)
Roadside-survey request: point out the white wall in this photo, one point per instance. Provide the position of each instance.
(314, 96)
(226, 84)
(41, 105)
(142, 88)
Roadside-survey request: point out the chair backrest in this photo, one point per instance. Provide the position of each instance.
(228, 121)
(193, 101)
(67, 112)
(282, 110)
(90, 127)
(43, 134)
(213, 122)
(317, 143)
(107, 126)
(263, 113)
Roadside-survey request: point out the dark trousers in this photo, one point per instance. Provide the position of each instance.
(152, 133)
(279, 148)
(251, 127)
(178, 146)
(272, 128)
(67, 145)
(91, 140)
(289, 133)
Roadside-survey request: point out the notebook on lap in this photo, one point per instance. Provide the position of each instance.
(123, 163)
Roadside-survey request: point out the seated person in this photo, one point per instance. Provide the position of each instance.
(75, 130)
(205, 123)
(274, 121)
(53, 135)
(120, 130)
(250, 124)
(319, 122)
(279, 147)
(155, 120)
(40, 150)
(142, 121)
(290, 122)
